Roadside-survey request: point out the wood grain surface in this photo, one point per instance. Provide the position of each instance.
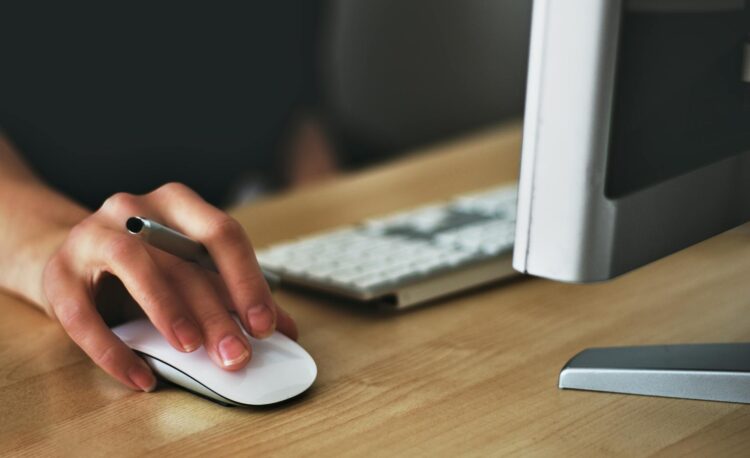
(473, 375)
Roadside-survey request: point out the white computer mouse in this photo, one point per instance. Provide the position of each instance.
(278, 370)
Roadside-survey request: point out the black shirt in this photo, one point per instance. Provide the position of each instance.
(119, 97)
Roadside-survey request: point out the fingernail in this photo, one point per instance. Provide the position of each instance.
(187, 333)
(261, 320)
(142, 378)
(232, 351)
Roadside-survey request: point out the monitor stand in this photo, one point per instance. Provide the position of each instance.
(714, 372)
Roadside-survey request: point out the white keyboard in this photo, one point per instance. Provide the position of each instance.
(408, 257)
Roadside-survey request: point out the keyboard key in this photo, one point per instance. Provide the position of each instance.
(403, 247)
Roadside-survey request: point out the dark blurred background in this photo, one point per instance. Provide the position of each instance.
(241, 100)
(397, 75)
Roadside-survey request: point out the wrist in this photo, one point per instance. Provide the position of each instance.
(34, 236)
(25, 278)
(34, 221)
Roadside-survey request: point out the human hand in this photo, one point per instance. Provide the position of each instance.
(189, 305)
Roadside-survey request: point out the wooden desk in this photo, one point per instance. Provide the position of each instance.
(475, 374)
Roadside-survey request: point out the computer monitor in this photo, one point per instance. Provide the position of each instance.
(636, 144)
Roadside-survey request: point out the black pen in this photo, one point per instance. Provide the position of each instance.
(180, 245)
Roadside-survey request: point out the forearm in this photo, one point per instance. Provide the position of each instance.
(34, 220)
(310, 155)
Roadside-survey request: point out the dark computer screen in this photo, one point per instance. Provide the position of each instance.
(680, 101)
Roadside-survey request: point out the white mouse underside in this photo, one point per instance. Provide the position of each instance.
(278, 370)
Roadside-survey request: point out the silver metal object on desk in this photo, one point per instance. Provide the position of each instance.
(714, 372)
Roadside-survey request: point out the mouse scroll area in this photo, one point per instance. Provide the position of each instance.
(279, 369)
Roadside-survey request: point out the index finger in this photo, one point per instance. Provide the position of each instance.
(230, 248)
(77, 313)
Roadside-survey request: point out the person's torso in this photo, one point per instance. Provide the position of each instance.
(126, 98)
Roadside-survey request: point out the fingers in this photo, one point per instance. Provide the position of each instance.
(284, 322)
(230, 249)
(127, 258)
(156, 281)
(224, 340)
(181, 208)
(76, 312)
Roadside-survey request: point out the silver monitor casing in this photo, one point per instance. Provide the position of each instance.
(578, 234)
(569, 230)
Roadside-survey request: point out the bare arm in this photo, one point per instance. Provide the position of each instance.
(34, 220)
(54, 253)
(310, 155)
